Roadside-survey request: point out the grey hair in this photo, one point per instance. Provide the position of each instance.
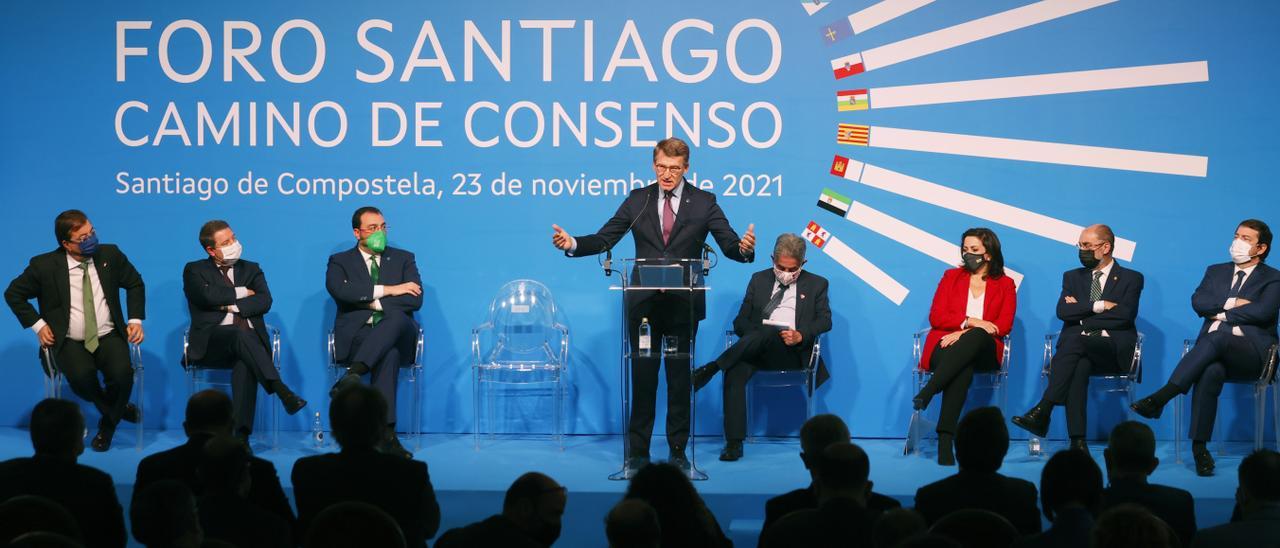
(790, 245)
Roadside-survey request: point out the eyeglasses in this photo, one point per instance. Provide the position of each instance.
(373, 228)
(1086, 246)
(665, 169)
(81, 239)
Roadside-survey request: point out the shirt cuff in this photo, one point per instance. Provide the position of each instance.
(378, 292)
(376, 304)
(233, 308)
(573, 245)
(242, 292)
(1098, 307)
(40, 323)
(1231, 303)
(1221, 316)
(135, 320)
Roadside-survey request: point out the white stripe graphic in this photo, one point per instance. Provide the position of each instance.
(880, 13)
(910, 236)
(976, 206)
(865, 270)
(1041, 84)
(1039, 151)
(975, 30)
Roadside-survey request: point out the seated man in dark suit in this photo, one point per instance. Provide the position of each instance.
(982, 440)
(77, 287)
(225, 511)
(1071, 495)
(1098, 305)
(359, 472)
(1258, 496)
(1131, 458)
(208, 415)
(817, 433)
(785, 296)
(530, 518)
(57, 435)
(842, 517)
(227, 297)
(1239, 302)
(377, 290)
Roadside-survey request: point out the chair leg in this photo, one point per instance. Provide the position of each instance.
(559, 397)
(1177, 427)
(475, 407)
(418, 385)
(1259, 414)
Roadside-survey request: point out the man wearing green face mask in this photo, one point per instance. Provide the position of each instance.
(377, 290)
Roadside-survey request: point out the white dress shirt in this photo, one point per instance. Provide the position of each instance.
(1231, 303)
(1098, 307)
(378, 289)
(786, 310)
(973, 308)
(101, 312)
(232, 309)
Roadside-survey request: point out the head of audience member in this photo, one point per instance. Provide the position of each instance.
(1097, 242)
(843, 468)
(44, 539)
(1259, 481)
(208, 414)
(982, 440)
(1129, 525)
(358, 415)
(897, 525)
(681, 511)
(370, 229)
(535, 503)
(353, 523)
(1252, 243)
(57, 429)
(974, 528)
(632, 523)
(164, 514)
(220, 242)
(670, 162)
(25, 514)
(1131, 451)
(1070, 480)
(816, 434)
(75, 234)
(224, 467)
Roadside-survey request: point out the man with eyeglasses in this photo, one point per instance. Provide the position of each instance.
(77, 288)
(783, 313)
(668, 220)
(377, 290)
(1098, 306)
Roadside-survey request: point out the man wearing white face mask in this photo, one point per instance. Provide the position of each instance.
(228, 297)
(1239, 302)
(794, 303)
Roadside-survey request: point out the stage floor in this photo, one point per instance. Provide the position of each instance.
(470, 483)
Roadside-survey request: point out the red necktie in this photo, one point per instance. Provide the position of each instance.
(668, 217)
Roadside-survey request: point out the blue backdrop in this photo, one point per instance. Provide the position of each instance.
(85, 112)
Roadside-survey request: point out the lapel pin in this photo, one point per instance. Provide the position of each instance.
(802, 295)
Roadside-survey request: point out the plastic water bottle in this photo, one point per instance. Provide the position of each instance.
(317, 432)
(646, 340)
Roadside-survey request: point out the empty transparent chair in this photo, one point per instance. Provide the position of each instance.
(520, 346)
(921, 425)
(200, 375)
(55, 381)
(410, 374)
(781, 378)
(1125, 381)
(1260, 385)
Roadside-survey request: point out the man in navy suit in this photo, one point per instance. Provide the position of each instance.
(669, 220)
(377, 289)
(1239, 301)
(227, 297)
(1098, 305)
(784, 295)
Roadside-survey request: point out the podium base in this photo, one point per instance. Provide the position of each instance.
(627, 472)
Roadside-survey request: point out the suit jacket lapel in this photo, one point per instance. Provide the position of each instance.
(62, 279)
(1112, 283)
(357, 263)
(802, 300)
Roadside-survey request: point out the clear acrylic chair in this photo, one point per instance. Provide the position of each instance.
(521, 346)
(410, 374)
(781, 378)
(921, 425)
(200, 375)
(1125, 381)
(54, 382)
(1267, 379)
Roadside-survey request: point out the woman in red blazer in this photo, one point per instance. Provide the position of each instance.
(972, 311)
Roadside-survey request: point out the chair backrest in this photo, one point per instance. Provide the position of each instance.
(523, 317)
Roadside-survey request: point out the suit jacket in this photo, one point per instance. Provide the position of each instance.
(180, 464)
(207, 292)
(1260, 529)
(86, 492)
(495, 530)
(699, 216)
(48, 281)
(1123, 287)
(1257, 320)
(1071, 528)
(398, 486)
(947, 313)
(838, 523)
(807, 499)
(813, 311)
(246, 525)
(1013, 498)
(347, 279)
(1174, 506)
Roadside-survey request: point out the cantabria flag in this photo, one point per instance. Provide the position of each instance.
(816, 234)
(834, 202)
(852, 99)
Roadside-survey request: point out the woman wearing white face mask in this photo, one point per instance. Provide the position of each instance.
(1239, 302)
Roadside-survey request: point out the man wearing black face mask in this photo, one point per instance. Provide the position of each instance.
(77, 288)
(1098, 305)
(530, 518)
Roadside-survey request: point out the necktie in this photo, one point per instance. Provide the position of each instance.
(375, 274)
(775, 300)
(1235, 287)
(90, 309)
(236, 319)
(1095, 289)
(668, 217)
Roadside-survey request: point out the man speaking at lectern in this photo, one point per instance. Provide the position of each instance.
(669, 220)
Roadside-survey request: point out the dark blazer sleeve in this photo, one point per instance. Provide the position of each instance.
(202, 293)
(1072, 312)
(338, 282)
(942, 316)
(406, 302)
(20, 292)
(613, 230)
(742, 323)
(258, 303)
(430, 506)
(1206, 301)
(726, 237)
(1123, 314)
(1261, 311)
(821, 311)
(135, 292)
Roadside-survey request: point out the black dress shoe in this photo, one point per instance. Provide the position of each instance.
(732, 451)
(679, 460)
(391, 446)
(292, 403)
(1035, 421)
(1204, 462)
(1148, 407)
(1079, 443)
(131, 414)
(350, 379)
(102, 440)
(703, 375)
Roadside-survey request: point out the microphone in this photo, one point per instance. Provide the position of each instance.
(706, 258)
